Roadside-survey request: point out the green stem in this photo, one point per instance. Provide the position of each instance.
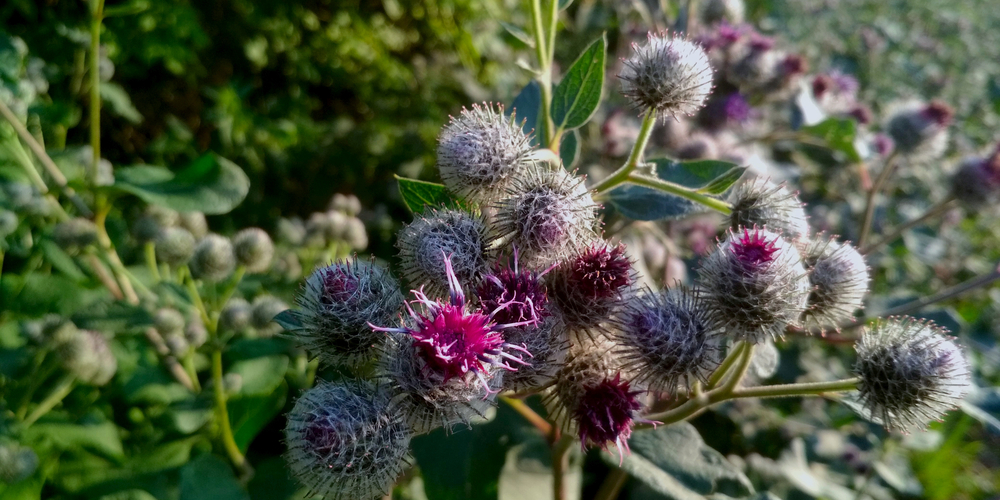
(677, 190)
(530, 415)
(786, 390)
(191, 371)
(545, 73)
(883, 177)
(723, 368)
(97, 15)
(222, 413)
(621, 175)
(196, 299)
(234, 281)
(39, 374)
(63, 388)
(560, 461)
(898, 231)
(154, 270)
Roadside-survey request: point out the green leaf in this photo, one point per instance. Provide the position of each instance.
(209, 477)
(527, 472)
(260, 375)
(61, 260)
(579, 93)
(289, 319)
(212, 184)
(152, 385)
(525, 108)
(243, 349)
(569, 150)
(37, 294)
(119, 103)
(564, 3)
(421, 194)
(250, 414)
(674, 461)
(28, 489)
(102, 439)
(839, 134)
(705, 176)
(518, 33)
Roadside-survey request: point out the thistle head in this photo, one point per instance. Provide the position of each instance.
(765, 204)
(513, 294)
(544, 213)
(423, 244)
(839, 278)
(591, 285)
(754, 285)
(337, 304)
(253, 249)
(920, 130)
(174, 246)
(668, 75)
(213, 259)
(976, 183)
(667, 339)
(547, 342)
(480, 151)
(911, 373)
(346, 440)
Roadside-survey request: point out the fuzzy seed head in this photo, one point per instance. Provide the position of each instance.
(254, 249)
(668, 75)
(75, 233)
(839, 278)
(346, 441)
(336, 306)
(920, 130)
(764, 204)
(592, 285)
(174, 246)
(754, 285)
(424, 243)
(213, 258)
(544, 214)
(262, 314)
(911, 373)
(667, 339)
(480, 151)
(88, 356)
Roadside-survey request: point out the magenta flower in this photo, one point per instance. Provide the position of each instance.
(453, 341)
(514, 295)
(606, 413)
(753, 249)
(601, 271)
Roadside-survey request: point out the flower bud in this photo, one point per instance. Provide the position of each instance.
(919, 130)
(194, 222)
(336, 227)
(177, 344)
(152, 221)
(195, 332)
(349, 204)
(175, 246)
(337, 304)
(425, 242)
(763, 204)
(667, 339)
(754, 285)
(911, 373)
(355, 234)
(976, 183)
(213, 258)
(168, 321)
(88, 356)
(288, 267)
(235, 316)
(254, 249)
(591, 286)
(317, 228)
(346, 441)
(262, 314)
(291, 231)
(75, 233)
(544, 213)
(668, 75)
(17, 463)
(480, 151)
(55, 331)
(839, 279)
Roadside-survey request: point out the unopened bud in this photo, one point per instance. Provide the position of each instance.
(265, 308)
(356, 236)
(175, 246)
(168, 321)
(194, 222)
(154, 220)
(213, 258)
(235, 316)
(254, 249)
(763, 204)
(919, 130)
(839, 277)
(75, 233)
(17, 463)
(430, 238)
(88, 356)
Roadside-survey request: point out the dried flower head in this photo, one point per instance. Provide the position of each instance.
(667, 340)
(213, 258)
(480, 151)
(762, 203)
(920, 130)
(911, 373)
(839, 277)
(337, 304)
(544, 213)
(668, 75)
(254, 249)
(754, 285)
(423, 243)
(590, 286)
(346, 441)
(174, 246)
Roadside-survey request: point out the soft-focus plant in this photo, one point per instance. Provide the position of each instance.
(538, 334)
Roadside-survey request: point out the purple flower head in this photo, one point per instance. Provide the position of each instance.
(728, 34)
(453, 341)
(754, 249)
(601, 271)
(822, 84)
(606, 412)
(883, 144)
(339, 284)
(844, 83)
(513, 295)
(736, 107)
(939, 113)
(862, 114)
(760, 43)
(793, 65)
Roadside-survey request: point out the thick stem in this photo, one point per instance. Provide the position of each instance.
(677, 190)
(530, 415)
(866, 222)
(544, 75)
(934, 211)
(560, 462)
(61, 390)
(787, 390)
(723, 368)
(95, 87)
(154, 270)
(621, 175)
(192, 373)
(222, 413)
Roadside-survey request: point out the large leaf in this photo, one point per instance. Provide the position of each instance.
(260, 375)
(61, 260)
(839, 135)
(212, 184)
(209, 477)
(525, 109)
(102, 439)
(674, 461)
(250, 414)
(418, 195)
(579, 93)
(569, 150)
(705, 176)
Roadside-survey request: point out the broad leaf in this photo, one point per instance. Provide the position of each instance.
(212, 184)
(102, 439)
(209, 477)
(61, 260)
(518, 33)
(525, 109)
(643, 203)
(260, 375)
(250, 414)
(705, 176)
(119, 103)
(289, 319)
(674, 461)
(577, 96)
(118, 317)
(569, 150)
(839, 135)
(418, 195)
